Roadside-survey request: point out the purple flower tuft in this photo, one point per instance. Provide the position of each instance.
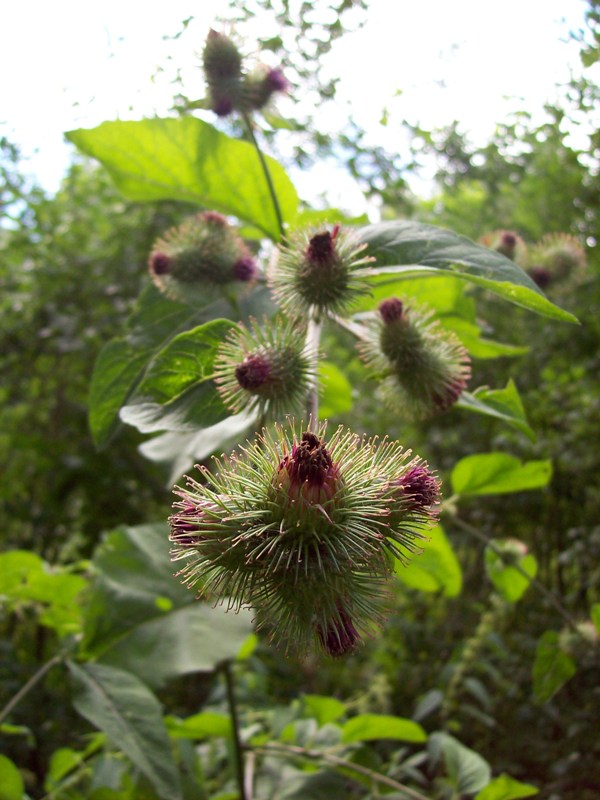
(160, 264)
(244, 269)
(253, 372)
(420, 488)
(277, 80)
(541, 276)
(223, 106)
(340, 637)
(391, 310)
(321, 247)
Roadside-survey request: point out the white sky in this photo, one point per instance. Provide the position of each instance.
(68, 64)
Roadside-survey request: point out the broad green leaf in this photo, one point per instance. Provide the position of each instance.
(177, 391)
(194, 638)
(436, 569)
(62, 761)
(470, 335)
(411, 249)
(508, 580)
(190, 160)
(336, 396)
(16, 566)
(140, 618)
(552, 667)
(323, 709)
(12, 785)
(199, 726)
(123, 708)
(504, 404)
(498, 473)
(367, 727)
(506, 788)
(595, 615)
(448, 298)
(467, 770)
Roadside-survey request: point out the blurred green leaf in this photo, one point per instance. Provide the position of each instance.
(508, 580)
(467, 770)
(436, 569)
(498, 473)
(140, 618)
(323, 709)
(552, 667)
(410, 249)
(123, 708)
(506, 788)
(595, 615)
(336, 395)
(12, 786)
(199, 726)
(504, 404)
(190, 160)
(368, 727)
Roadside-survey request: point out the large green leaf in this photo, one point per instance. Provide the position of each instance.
(552, 667)
(504, 404)
(414, 249)
(368, 727)
(498, 473)
(502, 557)
(121, 706)
(467, 771)
(139, 617)
(177, 391)
(436, 569)
(336, 395)
(190, 160)
(506, 788)
(323, 709)
(12, 785)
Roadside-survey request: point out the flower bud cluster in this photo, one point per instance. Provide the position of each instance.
(556, 257)
(305, 531)
(264, 369)
(423, 368)
(204, 253)
(230, 88)
(508, 243)
(319, 268)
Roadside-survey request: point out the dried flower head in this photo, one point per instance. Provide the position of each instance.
(201, 255)
(319, 269)
(423, 368)
(264, 368)
(304, 530)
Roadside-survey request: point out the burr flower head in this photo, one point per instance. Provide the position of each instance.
(264, 368)
(223, 71)
(319, 269)
(260, 85)
(304, 529)
(423, 368)
(200, 257)
(555, 257)
(508, 243)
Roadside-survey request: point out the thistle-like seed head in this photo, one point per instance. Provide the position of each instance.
(223, 71)
(304, 529)
(264, 368)
(418, 489)
(508, 243)
(200, 256)
(260, 85)
(423, 369)
(319, 269)
(560, 255)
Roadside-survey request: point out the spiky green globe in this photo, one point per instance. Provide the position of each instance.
(305, 531)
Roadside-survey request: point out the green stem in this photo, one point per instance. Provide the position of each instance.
(313, 336)
(237, 742)
(276, 749)
(33, 681)
(267, 174)
(470, 529)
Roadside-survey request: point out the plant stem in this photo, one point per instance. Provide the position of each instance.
(313, 335)
(237, 743)
(336, 761)
(569, 619)
(24, 690)
(267, 174)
